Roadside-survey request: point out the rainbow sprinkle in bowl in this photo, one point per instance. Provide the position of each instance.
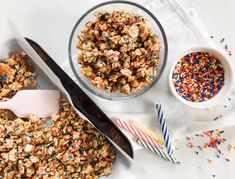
(201, 77)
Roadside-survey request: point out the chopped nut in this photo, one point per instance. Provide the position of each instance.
(134, 83)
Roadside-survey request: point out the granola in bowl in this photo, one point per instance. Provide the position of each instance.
(63, 146)
(119, 52)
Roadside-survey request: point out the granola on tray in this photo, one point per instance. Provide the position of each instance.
(63, 146)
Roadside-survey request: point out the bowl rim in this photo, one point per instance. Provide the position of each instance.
(208, 103)
(128, 96)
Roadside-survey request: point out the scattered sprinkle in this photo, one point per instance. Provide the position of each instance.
(226, 47)
(218, 117)
(222, 40)
(215, 140)
(230, 147)
(209, 160)
(200, 148)
(189, 142)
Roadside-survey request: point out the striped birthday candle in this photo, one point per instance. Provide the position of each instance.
(147, 131)
(157, 151)
(137, 133)
(165, 131)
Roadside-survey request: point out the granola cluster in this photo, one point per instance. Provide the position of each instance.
(15, 74)
(63, 146)
(119, 52)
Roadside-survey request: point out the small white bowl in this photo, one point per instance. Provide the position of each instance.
(224, 91)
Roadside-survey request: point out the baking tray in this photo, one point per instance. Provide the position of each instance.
(84, 104)
(12, 41)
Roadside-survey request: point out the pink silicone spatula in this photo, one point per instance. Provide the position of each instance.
(42, 103)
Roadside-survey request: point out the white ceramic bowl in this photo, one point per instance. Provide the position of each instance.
(225, 90)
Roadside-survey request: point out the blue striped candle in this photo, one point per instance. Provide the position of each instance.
(165, 131)
(157, 151)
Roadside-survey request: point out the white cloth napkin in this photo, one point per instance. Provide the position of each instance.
(184, 31)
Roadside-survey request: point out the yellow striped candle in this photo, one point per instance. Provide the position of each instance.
(148, 132)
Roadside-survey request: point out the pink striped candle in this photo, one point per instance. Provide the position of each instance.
(137, 133)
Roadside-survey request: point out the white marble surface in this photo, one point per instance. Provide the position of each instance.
(50, 23)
